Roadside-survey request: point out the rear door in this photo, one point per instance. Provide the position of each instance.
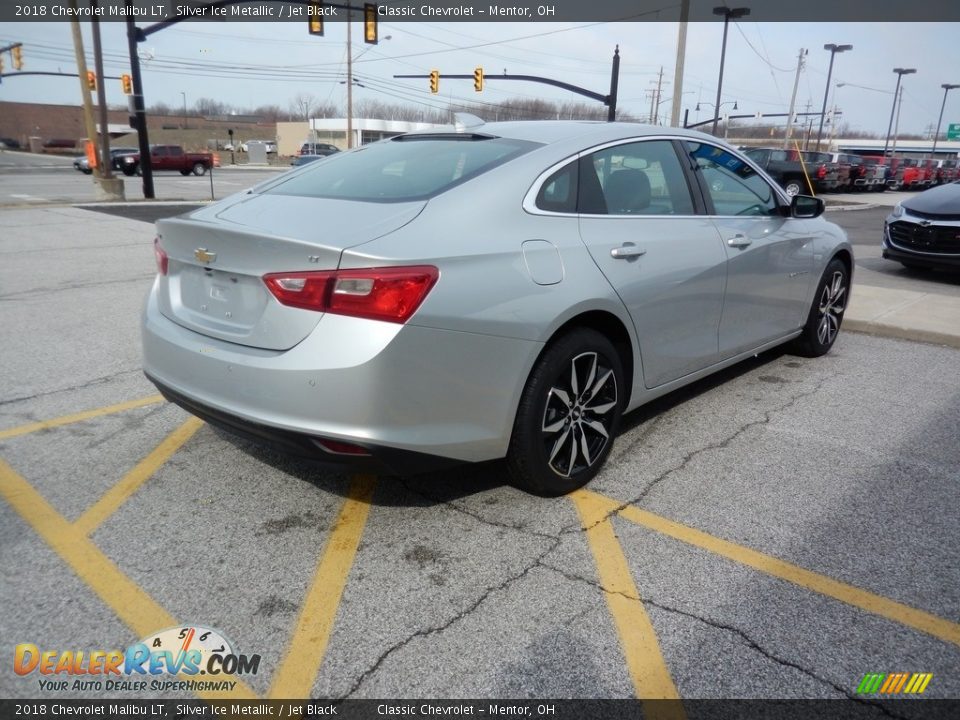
(641, 225)
(770, 255)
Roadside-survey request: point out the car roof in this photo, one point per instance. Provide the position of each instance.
(560, 131)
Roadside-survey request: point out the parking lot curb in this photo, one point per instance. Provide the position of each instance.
(876, 329)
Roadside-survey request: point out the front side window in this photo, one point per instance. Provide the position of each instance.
(638, 178)
(412, 167)
(734, 187)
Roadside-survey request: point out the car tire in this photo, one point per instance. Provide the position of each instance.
(199, 168)
(826, 313)
(792, 187)
(568, 416)
(130, 171)
(88, 171)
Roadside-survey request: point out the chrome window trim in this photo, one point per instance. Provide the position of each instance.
(530, 199)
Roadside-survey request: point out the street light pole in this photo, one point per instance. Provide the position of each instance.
(184, 109)
(900, 73)
(946, 88)
(727, 13)
(834, 49)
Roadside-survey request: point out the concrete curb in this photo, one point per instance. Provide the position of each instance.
(930, 337)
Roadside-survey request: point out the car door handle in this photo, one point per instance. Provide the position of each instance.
(739, 241)
(625, 252)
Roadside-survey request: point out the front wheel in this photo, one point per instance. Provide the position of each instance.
(826, 313)
(568, 416)
(199, 168)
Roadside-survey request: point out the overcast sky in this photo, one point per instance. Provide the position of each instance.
(200, 59)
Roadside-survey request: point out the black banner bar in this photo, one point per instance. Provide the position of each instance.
(137, 709)
(154, 11)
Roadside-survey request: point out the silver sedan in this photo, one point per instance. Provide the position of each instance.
(485, 291)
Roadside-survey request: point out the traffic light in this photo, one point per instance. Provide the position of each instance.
(434, 81)
(126, 82)
(91, 80)
(478, 79)
(17, 54)
(370, 23)
(315, 20)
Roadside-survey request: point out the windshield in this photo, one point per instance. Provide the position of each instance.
(407, 168)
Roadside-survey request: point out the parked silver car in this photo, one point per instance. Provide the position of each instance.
(500, 290)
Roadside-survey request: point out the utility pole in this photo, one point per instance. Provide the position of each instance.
(678, 72)
(82, 74)
(793, 100)
(111, 188)
(349, 82)
(656, 107)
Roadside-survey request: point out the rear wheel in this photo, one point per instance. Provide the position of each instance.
(792, 187)
(826, 313)
(199, 168)
(130, 171)
(568, 416)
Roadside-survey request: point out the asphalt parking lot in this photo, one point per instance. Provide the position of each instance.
(778, 531)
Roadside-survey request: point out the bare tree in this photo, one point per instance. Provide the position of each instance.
(303, 105)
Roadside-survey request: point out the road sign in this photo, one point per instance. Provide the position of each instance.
(953, 131)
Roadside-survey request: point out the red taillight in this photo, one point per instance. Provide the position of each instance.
(822, 172)
(390, 294)
(336, 447)
(160, 256)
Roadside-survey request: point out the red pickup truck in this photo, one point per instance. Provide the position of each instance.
(169, 157)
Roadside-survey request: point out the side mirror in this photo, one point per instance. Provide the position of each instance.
(805, 206)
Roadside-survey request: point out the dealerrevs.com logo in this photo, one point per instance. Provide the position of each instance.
(187, 652)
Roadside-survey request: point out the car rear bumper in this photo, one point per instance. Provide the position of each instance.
(378, 385)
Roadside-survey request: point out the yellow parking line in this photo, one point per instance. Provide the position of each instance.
(877, 604)
(97, 513)
(77, 417)
(301, 663)
(638, 639)
(130, 602)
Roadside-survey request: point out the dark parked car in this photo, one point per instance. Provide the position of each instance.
(9, 144)
(305, 159)
(924, 231)
(317, 148)
(116, 159)
(794, 176)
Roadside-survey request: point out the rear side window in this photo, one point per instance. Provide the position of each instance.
(398, 170)
(638, 178)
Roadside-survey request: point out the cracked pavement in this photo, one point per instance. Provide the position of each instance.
(463, 587)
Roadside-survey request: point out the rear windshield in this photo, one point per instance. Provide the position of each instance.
(402, 169)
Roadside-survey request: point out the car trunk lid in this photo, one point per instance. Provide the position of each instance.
(217, 258)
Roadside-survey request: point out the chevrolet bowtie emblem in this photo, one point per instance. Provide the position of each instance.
(203, 256)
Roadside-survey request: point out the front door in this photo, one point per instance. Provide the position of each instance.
(638, 220)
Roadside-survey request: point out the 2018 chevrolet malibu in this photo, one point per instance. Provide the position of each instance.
(488, 291)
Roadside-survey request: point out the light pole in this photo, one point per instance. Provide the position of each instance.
(716, 114)
(184, 109)
(946, 88)
(834, 49)
(900, 73)
(727, 13)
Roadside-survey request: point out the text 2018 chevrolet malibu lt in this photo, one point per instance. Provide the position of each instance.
(487, 291)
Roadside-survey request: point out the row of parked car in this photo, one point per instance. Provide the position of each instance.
(845, 172)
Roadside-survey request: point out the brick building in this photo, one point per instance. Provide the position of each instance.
(21, 121)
